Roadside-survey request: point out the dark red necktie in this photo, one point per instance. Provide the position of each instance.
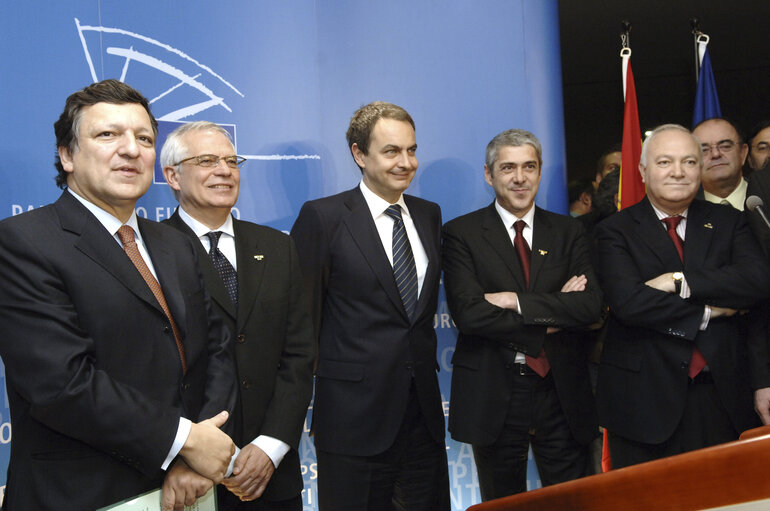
(540, 364)
(697, 361)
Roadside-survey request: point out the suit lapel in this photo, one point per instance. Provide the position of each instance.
(251, 267)
(165, 267)
(542, 233)
(211, 278)
(653, 233)
(360, 224)
(698, 234)
(496, 234)
(427, 239)
(96, 243)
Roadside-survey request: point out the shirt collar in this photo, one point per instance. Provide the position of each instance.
(201, 230)
(378, 205)
(661, 215)
(111, 223)
(736, 198)
(509, 218)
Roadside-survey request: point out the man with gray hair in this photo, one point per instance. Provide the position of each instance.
(520, 374)
(253, 275)
(674, 373)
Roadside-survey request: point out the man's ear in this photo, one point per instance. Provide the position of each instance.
(66, 158)
(171, 173)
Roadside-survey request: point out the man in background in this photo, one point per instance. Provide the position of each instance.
(254, 279)
(759, 146)
(724, 153)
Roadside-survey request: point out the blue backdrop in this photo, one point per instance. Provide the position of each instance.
(286, 77)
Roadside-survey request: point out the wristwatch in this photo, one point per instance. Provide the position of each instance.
(678, 277)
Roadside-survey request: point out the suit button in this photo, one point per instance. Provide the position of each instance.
(185, 386)
(166, 329)
(684, 364)
(245, 383)
(240, 339)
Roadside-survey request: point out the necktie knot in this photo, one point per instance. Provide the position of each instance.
(394, 212)
(519, 226)
(214, 238)
(672, 222)
(126, 235)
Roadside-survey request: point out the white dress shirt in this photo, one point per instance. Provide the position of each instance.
(377, 206)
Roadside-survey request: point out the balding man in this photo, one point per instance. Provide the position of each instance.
(674, 374)
(724, 153)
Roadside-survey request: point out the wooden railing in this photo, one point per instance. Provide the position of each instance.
(726, 474)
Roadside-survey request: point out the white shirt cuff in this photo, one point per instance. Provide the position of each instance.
(182, 432)
(704, 323)
(274, 448)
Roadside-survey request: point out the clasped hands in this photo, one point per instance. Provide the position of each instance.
(203, 462)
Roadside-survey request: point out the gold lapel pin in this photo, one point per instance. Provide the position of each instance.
(708, 226)
(259, 257)
(542, 252)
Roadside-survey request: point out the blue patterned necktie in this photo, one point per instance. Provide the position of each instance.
(404, 269)
(223, 267)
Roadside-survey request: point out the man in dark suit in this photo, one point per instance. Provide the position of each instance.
(253, 276)
(674, 374)
(110, 345)
(370, 258)
(520, 371)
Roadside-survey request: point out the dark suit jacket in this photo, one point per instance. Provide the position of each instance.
(368, 348)
(759, 185)
(274, 344)
(94, 378)
(643, 380)
(479, 258)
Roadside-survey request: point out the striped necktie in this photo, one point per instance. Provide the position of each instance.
(404, 269)
(223, 267)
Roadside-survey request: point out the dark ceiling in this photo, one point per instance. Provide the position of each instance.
(663, 63)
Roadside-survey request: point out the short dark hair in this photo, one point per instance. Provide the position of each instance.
(363, 121)
(755, 131)
(617, 148)
(106, 91)
(578, 187)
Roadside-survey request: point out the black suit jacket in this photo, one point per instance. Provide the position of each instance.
(94, 378)
(368, 348)
(273, 342)
(479, 258)
(643, 380)
(759, 185)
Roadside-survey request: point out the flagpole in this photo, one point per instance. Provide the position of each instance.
(696, 32)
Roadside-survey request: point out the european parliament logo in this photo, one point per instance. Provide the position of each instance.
(179, 87)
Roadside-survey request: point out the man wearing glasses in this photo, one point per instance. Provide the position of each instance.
(253, 276)
(724, 153)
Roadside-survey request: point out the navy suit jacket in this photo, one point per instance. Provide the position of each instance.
(642, 386)
(479, 258)
(369, 349)
(273, 342)
(93, 375)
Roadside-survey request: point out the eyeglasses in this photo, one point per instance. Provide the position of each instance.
(211, 160)
(725, 146)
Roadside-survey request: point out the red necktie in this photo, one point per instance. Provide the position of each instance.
(697, 361)
(126, 235)
(540, 364)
